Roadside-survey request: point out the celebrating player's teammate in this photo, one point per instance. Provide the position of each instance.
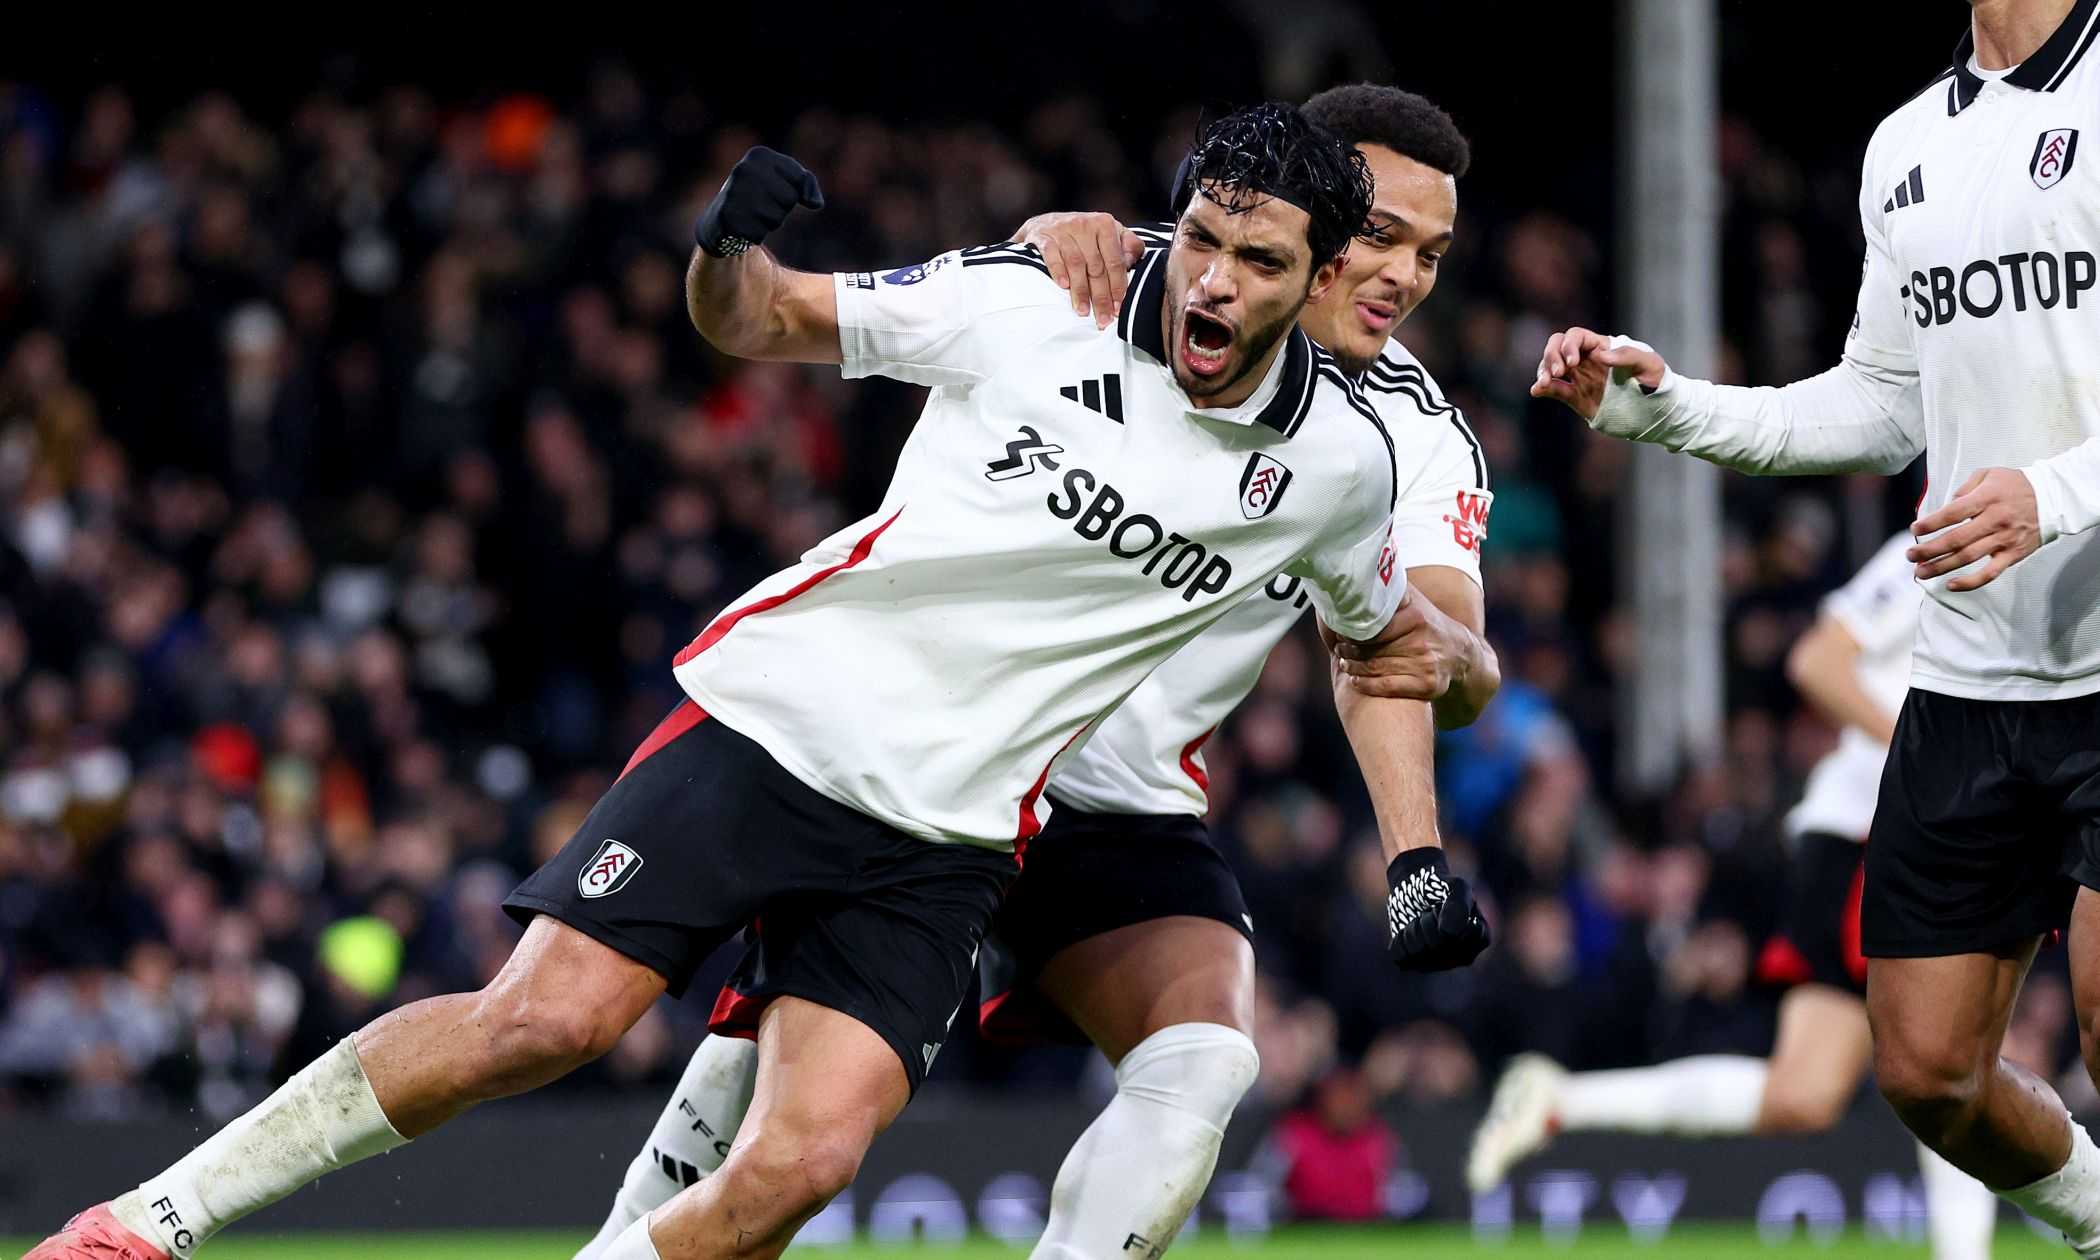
(1126, 927)
(863, 754)
(1974, 343)
(1854, 665)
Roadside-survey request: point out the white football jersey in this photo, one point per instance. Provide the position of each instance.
(1879, 609)
(1060, 522)
(1981, 208)
(1147, 756)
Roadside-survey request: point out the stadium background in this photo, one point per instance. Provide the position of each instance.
(359, 473)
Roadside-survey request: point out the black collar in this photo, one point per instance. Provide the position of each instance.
(2050, 65)
(1141, 326)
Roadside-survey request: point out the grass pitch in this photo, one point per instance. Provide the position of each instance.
(1307, 1243)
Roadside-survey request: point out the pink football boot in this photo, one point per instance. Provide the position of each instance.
(95, 1235)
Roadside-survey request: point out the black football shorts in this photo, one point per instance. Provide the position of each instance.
(1086, 874)
(704, 834)
(1988, 820)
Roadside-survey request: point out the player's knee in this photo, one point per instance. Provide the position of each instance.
(532, 1034)
(1928, 1084)
(1203, 1069)
(806, 1168)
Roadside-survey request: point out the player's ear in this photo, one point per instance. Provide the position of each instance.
(1325, 275)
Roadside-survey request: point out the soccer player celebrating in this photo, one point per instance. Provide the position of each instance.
(1974, 342)
(862, 757)
(1854, 665)
(1126, 925)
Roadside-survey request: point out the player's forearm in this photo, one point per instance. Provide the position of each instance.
(752, 307)
(1395, 746)
(1849, 419)
(731, 300)
(2067, 490)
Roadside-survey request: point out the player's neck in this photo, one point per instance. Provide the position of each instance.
(2008, 32)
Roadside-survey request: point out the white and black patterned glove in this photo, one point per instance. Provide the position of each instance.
(1431, 921)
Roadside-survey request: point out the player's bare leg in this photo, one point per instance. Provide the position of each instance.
(827, 1085)
(561, 1000)
(1939, 1024)
(1819, 1057)
(1170, 1002)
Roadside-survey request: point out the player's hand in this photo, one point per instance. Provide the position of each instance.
(1993, 515)
(1431, 920)
(1578, 364)
(762, 190)
(1089, 254)
(1418, 657)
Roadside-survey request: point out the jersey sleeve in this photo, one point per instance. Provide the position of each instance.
(1441, 517)
(1880, 338)
(952, 320)
(1355, 584)
(1879, 606)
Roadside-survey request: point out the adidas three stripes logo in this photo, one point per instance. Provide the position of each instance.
(1910, 192)
(1104, 395)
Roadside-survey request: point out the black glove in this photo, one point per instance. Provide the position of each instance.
(761, 192)
(1431, 921)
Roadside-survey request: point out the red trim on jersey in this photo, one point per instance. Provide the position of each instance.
(736, 1014)
(727, 621)
(682, 719)
(1194, 768)
(1030, 824)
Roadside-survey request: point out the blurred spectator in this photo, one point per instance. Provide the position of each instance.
(1333, 1157)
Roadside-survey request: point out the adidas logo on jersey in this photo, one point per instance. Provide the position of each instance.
(1104, 396)
(1911, 192)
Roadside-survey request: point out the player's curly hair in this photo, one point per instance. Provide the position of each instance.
(1273, 150)
(1411, 125)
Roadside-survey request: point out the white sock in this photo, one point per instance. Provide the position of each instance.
(1140, 1167)
(2069, 1198)
(323, 1118)
(1961, 1211)
(1708, 1096)
(690, 1140)
(633, 1242)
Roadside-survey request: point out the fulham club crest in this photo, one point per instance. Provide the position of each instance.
(2053, 155)
(608, 870)
(1262, 486)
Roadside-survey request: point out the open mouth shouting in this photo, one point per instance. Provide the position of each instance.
(1206, 342)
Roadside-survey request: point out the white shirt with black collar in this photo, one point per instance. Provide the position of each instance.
(1976, 341)
(1982, 220)
(1060, 522)
(1147, 756)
